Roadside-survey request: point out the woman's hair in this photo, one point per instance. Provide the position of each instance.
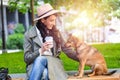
(43, 30)
(54, 32)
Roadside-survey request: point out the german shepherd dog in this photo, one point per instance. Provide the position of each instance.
(89, 56)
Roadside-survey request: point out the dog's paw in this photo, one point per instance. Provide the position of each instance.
(89, 75)
(78, 77)
(76, 74)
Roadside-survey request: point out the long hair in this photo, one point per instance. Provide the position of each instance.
(54, 32)
(43, 30)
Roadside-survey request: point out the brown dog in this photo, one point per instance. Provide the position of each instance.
(89, 56)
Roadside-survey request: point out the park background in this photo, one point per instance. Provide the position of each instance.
(97, 22)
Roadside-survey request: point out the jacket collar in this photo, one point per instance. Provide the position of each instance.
(33, 34)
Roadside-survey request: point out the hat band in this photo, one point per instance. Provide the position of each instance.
(45, 13)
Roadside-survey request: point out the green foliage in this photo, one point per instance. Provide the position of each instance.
(116, 13)
(104, 7)
(19, 28)
(21, 5)
(15, 41)
(111, 7)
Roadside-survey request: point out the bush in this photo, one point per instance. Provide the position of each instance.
(15, 41)
(19, 28)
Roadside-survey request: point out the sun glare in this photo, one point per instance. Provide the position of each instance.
(81, 20)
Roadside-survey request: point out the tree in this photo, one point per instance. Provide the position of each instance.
(108, 6)
(103, 8)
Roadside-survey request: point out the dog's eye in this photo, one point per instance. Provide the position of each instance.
(69, 41)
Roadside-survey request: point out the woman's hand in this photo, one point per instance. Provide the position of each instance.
(45, 46)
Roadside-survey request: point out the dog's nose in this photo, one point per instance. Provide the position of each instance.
(67, 45)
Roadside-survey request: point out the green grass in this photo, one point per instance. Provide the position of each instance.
(15, 61)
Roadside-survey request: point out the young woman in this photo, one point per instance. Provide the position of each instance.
(42, 60)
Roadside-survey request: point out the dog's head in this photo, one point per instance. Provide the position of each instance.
(72, 41)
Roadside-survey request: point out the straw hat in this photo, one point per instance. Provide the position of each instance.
(44, 11)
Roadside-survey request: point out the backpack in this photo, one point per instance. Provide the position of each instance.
(4, 74)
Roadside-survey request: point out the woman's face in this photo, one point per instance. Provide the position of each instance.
(50, 21)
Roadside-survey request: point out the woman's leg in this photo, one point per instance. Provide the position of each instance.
(56, 69)
(39, 65)
(45, 74)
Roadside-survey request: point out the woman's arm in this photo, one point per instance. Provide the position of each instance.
(29, 53)
(69, 51)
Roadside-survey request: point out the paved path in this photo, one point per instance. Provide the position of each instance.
(10, 51)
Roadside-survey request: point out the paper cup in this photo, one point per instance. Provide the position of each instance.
(50, 40)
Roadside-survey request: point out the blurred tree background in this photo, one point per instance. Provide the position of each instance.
(104, 7)
(97, 10)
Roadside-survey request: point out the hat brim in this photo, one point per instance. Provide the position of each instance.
(47, 14)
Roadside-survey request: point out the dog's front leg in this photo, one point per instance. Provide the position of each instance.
(77, 74)
(81, 68)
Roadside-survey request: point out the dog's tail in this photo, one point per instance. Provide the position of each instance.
(110, 73)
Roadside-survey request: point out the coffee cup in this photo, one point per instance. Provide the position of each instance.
(50, 40)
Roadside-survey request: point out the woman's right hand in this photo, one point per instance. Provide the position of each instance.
(45, 47)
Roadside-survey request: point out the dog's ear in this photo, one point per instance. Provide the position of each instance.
(70, 34)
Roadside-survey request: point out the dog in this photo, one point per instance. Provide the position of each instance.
(89, 56)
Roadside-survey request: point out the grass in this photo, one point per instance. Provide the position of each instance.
(15, 61)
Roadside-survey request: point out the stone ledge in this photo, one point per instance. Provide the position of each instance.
(18, 79)
(96, 78)
(113, 77)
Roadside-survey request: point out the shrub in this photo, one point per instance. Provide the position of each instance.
(15, 41)
(19, 28)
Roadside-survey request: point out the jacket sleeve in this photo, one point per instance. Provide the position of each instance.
(69, 51)
(29, 54)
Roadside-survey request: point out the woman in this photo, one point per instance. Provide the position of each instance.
(42, 60)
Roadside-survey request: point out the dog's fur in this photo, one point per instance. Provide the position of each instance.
(89, 56)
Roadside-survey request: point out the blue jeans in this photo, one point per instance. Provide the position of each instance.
(39, 69)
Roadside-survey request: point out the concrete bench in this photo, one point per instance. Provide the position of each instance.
(115, 76)
(112, 77)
